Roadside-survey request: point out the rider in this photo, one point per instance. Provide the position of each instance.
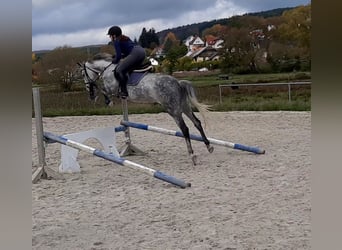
(128, 56)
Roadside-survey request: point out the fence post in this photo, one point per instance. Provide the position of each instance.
(220, 93)
(289, 85)
(40, 172)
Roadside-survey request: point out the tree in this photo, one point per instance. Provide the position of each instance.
(143, 38)
(216, 30)
(34, 58)
(172, 56)
(184, 63)
(59, 67)
(290, 46)
(238, 52)
(149, 39)
(108, 49)
(170, 41)
(253, 22)
(297, 26)
(173, 49)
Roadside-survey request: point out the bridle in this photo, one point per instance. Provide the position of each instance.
(91, 83)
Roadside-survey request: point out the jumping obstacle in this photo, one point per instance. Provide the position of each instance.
(49, 137)
(52, 138)
(130, 149)
(105, 136)
(126, 123)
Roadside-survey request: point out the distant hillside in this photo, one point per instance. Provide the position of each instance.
(269, 13)
(185, 31)
(91, 49)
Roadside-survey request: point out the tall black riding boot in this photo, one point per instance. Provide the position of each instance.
(123, 92)
(123, 79)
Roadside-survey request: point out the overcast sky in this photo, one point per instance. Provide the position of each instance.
(76, 23)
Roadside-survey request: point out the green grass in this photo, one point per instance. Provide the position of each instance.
(76, 103)
(262, 104)
(214, 80)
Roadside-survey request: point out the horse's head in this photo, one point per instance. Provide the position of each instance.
(90, 76)
(93, 70)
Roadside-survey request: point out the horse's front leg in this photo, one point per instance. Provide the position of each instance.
(108, 101)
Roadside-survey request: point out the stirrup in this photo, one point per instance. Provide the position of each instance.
(122, 95)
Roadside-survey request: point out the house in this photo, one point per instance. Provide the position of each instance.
(205, 54)
(213, 42)
(257, 34)
(270, 27)
(194, 42)
(158, 52)
(188, 40)
(200, 51)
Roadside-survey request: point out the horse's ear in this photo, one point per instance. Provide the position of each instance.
(79, 64)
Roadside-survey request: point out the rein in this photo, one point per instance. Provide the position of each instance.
(99, 74)
(92, 82)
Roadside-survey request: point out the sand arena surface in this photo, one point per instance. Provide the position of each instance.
(238, 200)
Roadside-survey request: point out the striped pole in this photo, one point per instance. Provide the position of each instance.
(193, 137)
(49, 137)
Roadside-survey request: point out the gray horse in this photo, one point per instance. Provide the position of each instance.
(175, 96)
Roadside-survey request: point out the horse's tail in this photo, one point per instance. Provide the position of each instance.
(202, 108)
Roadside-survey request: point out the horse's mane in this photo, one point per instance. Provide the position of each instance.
(103, 56)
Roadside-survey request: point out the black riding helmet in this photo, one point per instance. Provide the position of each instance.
(114, 30)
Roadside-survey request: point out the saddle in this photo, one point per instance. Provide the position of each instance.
(137, 74)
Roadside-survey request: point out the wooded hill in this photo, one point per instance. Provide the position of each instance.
(185, 31)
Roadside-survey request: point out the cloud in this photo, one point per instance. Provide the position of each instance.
(74, 39)
(50, 16)
(83, 22)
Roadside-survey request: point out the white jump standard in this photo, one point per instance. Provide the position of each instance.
(106, 137)
(50, 138)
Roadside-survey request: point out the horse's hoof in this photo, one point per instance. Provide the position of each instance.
(194, 159)
(210, 149)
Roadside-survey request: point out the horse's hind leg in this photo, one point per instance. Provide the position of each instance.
(198, 125)
(185, 130)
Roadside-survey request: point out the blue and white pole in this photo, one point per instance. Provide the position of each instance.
(193, 137)
(49, 137)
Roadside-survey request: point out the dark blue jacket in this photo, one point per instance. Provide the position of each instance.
(123, 48)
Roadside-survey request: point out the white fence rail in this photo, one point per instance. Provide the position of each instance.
(289, 84)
